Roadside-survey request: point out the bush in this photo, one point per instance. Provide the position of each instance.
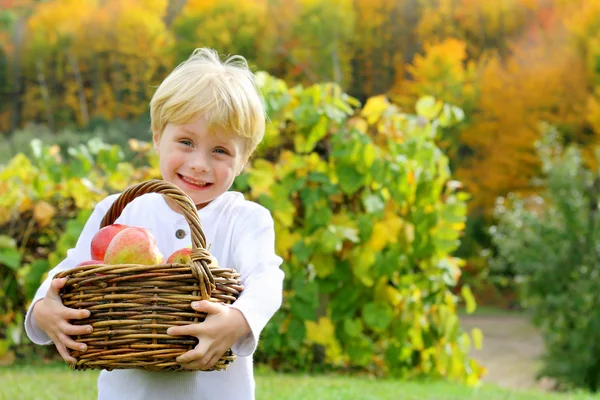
(550, 242)
(366, 219)
(117, 132)
(44, 203)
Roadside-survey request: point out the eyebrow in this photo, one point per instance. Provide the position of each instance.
(189, 132)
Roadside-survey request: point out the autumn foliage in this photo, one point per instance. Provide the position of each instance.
(366, 218)
(510, 65)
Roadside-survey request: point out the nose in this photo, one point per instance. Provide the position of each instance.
(199, 163)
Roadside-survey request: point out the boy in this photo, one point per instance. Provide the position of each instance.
(207, 118)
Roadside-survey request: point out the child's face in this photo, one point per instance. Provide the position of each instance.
(200, 162)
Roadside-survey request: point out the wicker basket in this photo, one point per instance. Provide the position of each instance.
(132, 306)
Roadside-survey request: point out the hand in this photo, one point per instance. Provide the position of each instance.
(53, 318)
(219, 331)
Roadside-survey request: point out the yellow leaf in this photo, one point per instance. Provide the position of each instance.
(379, 238)
(393, 225)
(409, 232)
(284, 240)
(323, 333)
(375, 108)
(324, 264)
(19, 166)
(320, 332)
(458, 226)
(411, 177)
(261, 177)
(465, 343)
(43, 213)
(469, 299)
(139, 146)
(26, 204)
(416, 338)
(477, 335)
(386, 293)
(362, 261)
(359, 124)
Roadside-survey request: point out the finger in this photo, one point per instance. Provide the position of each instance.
(206, 306)
(72, 313)
(206, 362)
(190, 330)
(71, 344)
(191, 356)
(195, 354)
(64, 353)
(55, 286)
(213, 361)
(74, 330)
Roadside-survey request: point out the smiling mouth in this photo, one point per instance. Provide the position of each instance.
(194, 182)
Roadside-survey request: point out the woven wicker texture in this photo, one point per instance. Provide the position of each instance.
(132, 306)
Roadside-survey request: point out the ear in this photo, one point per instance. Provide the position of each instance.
(155, 140)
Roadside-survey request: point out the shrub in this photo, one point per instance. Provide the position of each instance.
(366, 218)
(550, 242)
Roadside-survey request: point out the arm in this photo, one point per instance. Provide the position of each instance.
(239, 325)
(262, 278)
(80, 252)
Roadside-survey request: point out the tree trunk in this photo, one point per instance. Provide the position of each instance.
(174, 8)
(18, 33)
(45, 94)
(80, 88)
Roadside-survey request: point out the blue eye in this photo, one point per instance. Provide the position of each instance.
(185, 142)
(220, 151)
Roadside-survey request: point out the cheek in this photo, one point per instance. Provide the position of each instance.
(170, 160)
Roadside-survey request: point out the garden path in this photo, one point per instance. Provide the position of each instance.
(511, 350)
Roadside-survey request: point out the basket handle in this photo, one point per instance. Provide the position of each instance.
(199, 257)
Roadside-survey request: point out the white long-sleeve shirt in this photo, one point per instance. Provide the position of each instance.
(241, 236)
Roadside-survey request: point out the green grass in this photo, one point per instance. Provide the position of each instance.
(59, 382)
(488, 311)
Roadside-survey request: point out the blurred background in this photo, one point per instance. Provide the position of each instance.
(431, 166)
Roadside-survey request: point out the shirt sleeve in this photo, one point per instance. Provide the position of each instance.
(259, 267)
(81, 252)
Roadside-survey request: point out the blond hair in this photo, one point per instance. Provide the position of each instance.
(223, 92)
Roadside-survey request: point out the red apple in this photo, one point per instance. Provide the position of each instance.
(102, 239)
(181, 256)
(133, 245)
(90, 262)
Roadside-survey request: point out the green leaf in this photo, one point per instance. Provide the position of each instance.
(467, 295)
(345, 303)
(305, 301)
(365, 227)
(361, 351)
(302, 250)
(303, 309)
(11, 258)
(377, 316)
(6, 242)
(350, 179)
(353, 327)
(33, 279)
(296, 333)
(324, 264)
(317, 133)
